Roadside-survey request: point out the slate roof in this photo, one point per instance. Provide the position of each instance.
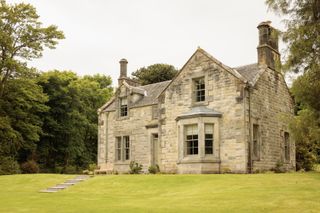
(152, 91)
(248, 71)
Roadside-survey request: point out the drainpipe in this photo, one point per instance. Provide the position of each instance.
(250, 163)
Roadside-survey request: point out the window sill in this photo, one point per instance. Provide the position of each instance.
(188, 160)
(120, 118)
(202, 103)
(122, 162)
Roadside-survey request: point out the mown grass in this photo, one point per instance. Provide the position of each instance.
(292, 192)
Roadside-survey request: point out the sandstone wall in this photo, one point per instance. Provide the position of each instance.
(271, 105)
(223, 95)
(134, 126)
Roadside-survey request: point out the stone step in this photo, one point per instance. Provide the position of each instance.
(82, 177)
(48, 191)
(58, 187)
(73, 181)
(65, 184)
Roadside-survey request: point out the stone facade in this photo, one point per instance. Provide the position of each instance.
(209, 119)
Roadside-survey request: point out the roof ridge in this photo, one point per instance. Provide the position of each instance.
(241, 66)
(161, 82)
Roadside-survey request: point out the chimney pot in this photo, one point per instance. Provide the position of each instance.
(123, 68)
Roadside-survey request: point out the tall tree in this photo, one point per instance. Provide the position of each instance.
(155, 73)
(302, 36)
(70, 126)
(22, 38)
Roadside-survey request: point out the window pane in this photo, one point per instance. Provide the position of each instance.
(286, 146)
(199, 90)
(191, 139)
(126, 142)
(255, 141)
(123, 107)
(118, 148)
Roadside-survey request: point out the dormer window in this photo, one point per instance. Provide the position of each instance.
(199, 90)
(123, 107)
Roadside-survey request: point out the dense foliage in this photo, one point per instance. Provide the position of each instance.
(47, 118)
(303, 56)
(155, 73)
(70, 125)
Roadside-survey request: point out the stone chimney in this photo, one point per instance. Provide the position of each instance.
(123, 70)
(268, 52)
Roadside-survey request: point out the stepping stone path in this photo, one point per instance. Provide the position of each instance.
(66, 184)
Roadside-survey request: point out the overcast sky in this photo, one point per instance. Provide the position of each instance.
(101, 32)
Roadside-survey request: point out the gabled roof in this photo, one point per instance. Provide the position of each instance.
(232, 71)
(148, 92)
(251, 72)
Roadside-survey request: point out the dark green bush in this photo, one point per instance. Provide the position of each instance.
(154, 169)
(29, 167)
(135, 168)
(58, 169)
(70, 170)
(9, 165)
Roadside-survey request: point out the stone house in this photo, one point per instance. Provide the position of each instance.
(209, 119)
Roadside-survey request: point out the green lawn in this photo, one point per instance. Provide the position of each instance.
(293, 192)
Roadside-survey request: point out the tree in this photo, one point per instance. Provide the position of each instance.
(70, 126)
(22, 38)
(155, 73)
(302, 36)
(20, 124)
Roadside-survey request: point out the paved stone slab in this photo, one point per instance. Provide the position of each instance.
(66, 184)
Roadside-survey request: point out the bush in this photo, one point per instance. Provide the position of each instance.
(58, 169)
(29, 167)
(154, 169)
(92, 167)
(135, 168)
(9, 165)
(279, 168)
(70, 170)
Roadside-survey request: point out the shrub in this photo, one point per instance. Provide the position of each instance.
(70, 170)
(29, 167)
(279, 167)
(135, 168)
(154, 169)
(9, 165)
(58, 169)
(92, 167)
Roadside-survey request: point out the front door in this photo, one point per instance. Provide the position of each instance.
(154, 149)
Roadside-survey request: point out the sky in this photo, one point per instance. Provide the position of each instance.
(101, 32)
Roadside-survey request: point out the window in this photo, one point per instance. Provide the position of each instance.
(255, 141)
(155, 112)
(122, 148)
(286, 146)
(123, 107)
(118, 149)
(199, 90)
(191, 139)
(208, 139)
(126, 144)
